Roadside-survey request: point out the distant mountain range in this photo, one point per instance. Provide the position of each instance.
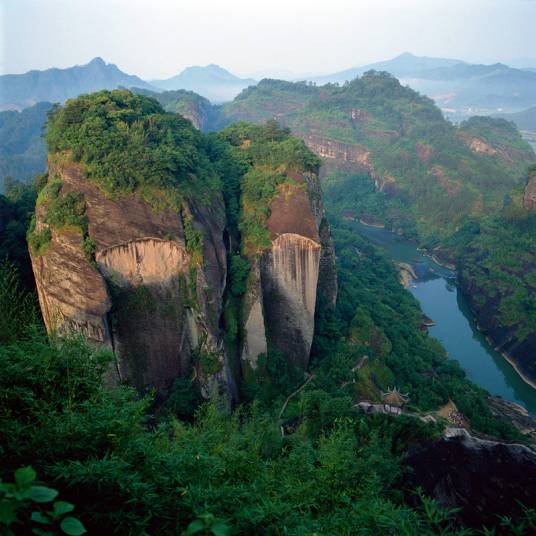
(404, 66)
(19, 91)
(212, 82)
(460, 88)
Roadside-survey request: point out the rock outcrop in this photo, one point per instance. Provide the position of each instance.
(288, 277)
(484, 479)
(343, 152)
(477, 145)
(519, 353)
(132, 240)
(145, 295)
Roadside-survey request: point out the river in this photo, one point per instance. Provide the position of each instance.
(436, 291)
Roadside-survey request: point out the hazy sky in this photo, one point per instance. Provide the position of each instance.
(158, 38)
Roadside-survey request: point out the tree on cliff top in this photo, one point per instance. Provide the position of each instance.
(127, 142)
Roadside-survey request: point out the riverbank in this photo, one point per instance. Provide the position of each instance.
(408, 280)
(455, 323)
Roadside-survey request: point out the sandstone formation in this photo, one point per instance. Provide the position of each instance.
(287, 277)
(144, 296)
(477, 145)
(139, 221)
(343, 152)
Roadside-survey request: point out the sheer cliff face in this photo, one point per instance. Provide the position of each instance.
(72, 294)
(288, 276)
(144, 295)
(128, 243)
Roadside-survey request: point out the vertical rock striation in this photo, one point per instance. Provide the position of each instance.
(289, 272)
(288, 276)
(144, 295)
(131, 241)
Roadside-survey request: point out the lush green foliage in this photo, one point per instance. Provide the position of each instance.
(398, 350)
(128, 143)
(16, 209)
(23, 506)
(226, 471)
(437, 177)
(497, 262)
(63, 212)
(269, 154)
(193, 238)
(17, 305)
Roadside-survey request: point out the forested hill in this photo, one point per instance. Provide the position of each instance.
(455, 85)
(440, 172)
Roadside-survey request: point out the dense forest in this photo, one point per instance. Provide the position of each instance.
(295, 456)
(402, 139)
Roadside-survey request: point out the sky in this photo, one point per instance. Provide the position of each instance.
(158, 38)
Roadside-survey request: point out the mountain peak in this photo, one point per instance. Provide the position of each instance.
(97, 61)
(58, 85)
(211, 81)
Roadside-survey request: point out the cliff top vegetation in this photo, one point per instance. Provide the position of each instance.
(128, 143)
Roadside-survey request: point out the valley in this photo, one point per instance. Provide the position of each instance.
(220, 302)
(440, 299)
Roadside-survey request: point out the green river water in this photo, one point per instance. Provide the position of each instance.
(436, 291)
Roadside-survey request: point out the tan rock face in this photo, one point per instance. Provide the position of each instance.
(151, 330)
(289, 273)
(72, 293)
(477, 145)
(146, 298)
(529, 197)
(286, 279)
(255, 342)
(146, 261)
(343, 152)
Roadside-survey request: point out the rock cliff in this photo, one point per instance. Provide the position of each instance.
(144, 295)
(127, 242)
(293, 270)
(483, 479)
(132, 239)
(518, 352)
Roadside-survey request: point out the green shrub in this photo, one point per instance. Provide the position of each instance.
(127, 143)
(24, 503)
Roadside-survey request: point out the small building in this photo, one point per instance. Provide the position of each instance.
(394, 398)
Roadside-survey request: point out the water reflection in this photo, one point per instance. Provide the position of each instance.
(436, 291)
